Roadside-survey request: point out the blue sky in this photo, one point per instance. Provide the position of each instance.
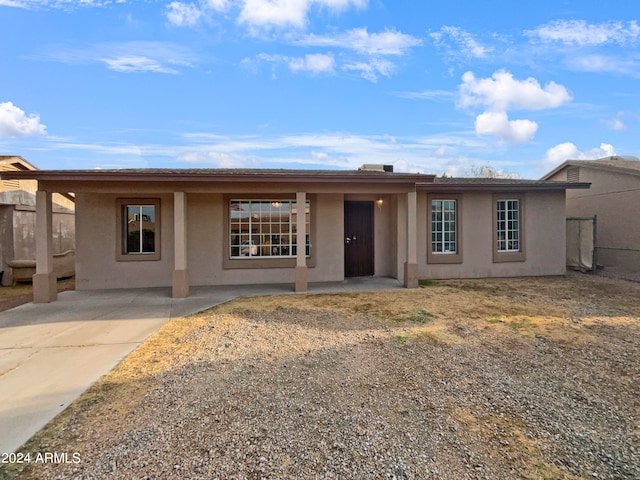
(427, 86)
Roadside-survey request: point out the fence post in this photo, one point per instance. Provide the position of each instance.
(594, 261)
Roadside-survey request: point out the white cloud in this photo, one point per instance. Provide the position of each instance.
(426, 95)
(287, 13)
(14, 122)
(64, 4)
(604, 63)
(502, 92)
(569, 151)
(333, 150)
(372, 69)
(278, 13)
(183, 14)
(12, 3)
(219, 159)
(516, 132)
(315, 63)
(217, 5)
(127, 57)
(616, 123)
(581, 33)
(135, 63)
(389, 42)
(465, 42)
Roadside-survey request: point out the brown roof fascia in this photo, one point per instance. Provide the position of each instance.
(499, 187)
(213, 176)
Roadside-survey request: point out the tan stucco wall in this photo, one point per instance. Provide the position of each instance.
(96, 266)
(206, 236)
(544, 238)
(96, 227)
(614, 198)
(17, 235)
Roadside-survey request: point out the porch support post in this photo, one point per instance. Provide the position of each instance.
(180, 278)
(411, 265)
(301, 248)
(45, 288)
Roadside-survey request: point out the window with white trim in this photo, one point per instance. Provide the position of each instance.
(265, 228)
(443, 226)
(508, 225)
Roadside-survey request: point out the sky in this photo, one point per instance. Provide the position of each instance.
(430, 87)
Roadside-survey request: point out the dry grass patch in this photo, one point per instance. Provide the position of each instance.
(521, 378)
(21, 293)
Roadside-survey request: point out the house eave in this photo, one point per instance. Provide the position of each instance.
(500, 187)
(211, 176)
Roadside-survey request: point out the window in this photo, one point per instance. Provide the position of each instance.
(508, 225)
(508, 234)
(265, 228)
(443, 226)
(139, 229)
(444, 229)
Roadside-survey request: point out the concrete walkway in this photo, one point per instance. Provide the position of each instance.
(51, 353)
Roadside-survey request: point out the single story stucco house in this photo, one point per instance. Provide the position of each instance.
(180, 228)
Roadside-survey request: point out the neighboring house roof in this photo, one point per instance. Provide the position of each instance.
(613, 164)
(15, 162)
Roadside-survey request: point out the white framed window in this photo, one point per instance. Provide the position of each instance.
(508, 228)
(138, 229)
(266, 228)
(443, 227)
(508, 225)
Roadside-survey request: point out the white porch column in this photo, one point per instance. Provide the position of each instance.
(45, 288)
(411, 265)
(180, 277)
(301, 248)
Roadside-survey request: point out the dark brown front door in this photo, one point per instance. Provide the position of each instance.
(358, 242)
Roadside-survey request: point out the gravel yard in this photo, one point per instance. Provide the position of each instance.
(468, 379)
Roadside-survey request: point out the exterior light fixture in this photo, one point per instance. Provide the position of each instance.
(379, 202)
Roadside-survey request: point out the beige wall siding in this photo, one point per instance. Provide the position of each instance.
(613, 197)
(96, 265)
(206, 239)
(544, 242)
(97, 215)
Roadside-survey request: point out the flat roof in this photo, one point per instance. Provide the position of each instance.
(421, 181)
(221, 175)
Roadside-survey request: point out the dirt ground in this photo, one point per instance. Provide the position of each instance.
(468, 379)
(21, 293)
